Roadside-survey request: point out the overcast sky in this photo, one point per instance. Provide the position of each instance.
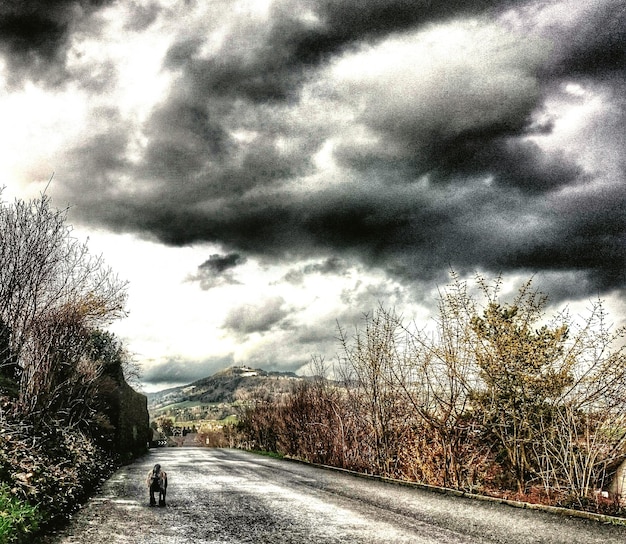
(260, 170)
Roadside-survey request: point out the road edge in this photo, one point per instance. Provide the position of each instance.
(557, 510)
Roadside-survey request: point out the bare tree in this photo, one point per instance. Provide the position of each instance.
(494, 396)
(368, 362)
(437, 380)
(586, 435)
(52, 292)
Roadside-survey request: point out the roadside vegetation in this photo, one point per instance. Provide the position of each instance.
(58, 368)
(18, 517)
(494, 397)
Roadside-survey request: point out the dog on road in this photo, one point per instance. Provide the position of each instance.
(157, 483)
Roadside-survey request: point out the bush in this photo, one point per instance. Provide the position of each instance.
(54, 469)
(18, 519)
(496, 397)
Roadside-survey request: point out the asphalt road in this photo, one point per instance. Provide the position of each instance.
(228, 496)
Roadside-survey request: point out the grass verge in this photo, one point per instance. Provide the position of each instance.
(267, 453)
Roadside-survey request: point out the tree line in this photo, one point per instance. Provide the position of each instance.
(492, 397)
(59, 368)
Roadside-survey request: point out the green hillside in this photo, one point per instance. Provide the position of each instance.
(218, 396)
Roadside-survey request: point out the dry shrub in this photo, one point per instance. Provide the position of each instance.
(54, 469)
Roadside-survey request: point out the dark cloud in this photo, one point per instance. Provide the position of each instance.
(332, 265)
(595, 46)
(515, 163)
(444, 151)
(317, 335)
(264, 62)
(589, 236)
(191, 155)
(217, 271)
(180, 371)
(344, 22)
(259, 317)
(191, 122)
(415, 231)
(35, 34)
(220, 263)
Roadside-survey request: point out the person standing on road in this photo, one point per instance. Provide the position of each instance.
(157, 483)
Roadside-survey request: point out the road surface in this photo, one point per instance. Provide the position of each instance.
(228, 496)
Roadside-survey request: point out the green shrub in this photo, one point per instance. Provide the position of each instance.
(18, 519)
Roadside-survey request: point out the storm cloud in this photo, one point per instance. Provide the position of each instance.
(325, 136)
(217, 271)
(433, 136)
(35, 36)
(178, 370)
(258, 317)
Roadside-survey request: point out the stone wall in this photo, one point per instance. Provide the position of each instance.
(127, 412)
(132, 432)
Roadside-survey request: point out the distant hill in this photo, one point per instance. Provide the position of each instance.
(216, 396)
